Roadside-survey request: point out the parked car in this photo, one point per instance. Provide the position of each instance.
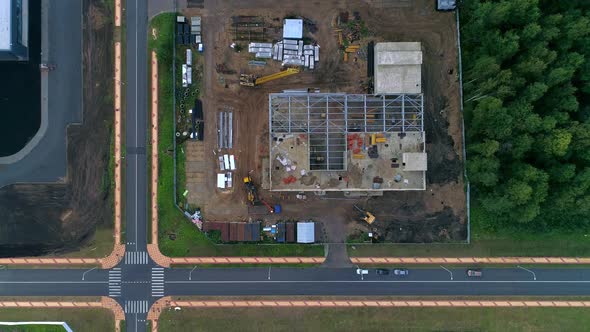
(400, 272)
(382, 272)
(474, 273)
(362, 271)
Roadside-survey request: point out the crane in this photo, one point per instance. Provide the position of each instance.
(252, 80)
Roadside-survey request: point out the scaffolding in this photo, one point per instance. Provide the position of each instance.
(326, 119)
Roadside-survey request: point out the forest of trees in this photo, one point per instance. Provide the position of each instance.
(526, 73)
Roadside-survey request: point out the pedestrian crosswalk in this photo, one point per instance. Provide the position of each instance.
(115, 282)
(136, 307)
(136, 257)
(157, 281)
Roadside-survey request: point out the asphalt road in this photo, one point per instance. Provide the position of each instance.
(136, 126)
(137, 282)
(131, 285)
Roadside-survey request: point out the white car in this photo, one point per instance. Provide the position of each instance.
(362, 271)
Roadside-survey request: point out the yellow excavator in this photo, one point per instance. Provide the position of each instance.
(252, 80)
(367, 216)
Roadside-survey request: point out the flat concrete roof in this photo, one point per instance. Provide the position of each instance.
(293, 28)
(398, 67)
(414, 161)
(5, 24)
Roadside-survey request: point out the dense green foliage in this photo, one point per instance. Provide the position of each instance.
(527, 97)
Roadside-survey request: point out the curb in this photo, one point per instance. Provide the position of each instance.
(470, 260)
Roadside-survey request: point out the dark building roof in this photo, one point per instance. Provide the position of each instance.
(235, 231)
(290, 232)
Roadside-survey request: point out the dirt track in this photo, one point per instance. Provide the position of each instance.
(42, 219)
(437, 214)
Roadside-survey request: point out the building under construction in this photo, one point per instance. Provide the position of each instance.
(346, 142)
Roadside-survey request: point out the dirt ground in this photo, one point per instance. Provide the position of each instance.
(43, 219)
(434, 215)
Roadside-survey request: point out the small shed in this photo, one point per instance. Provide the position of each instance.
(280, 235)
(290, 232)
(306, 232)
(293, 28)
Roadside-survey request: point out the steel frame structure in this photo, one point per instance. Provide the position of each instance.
(327, 117)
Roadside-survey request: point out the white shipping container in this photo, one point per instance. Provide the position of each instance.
(221, 164)
(311, 65)
(290, 41)
(307, 52)
(232, 162)
(306, 63)
(221, 180)
(189, 75)
(316, 53)
(226, 161)
(300, 47)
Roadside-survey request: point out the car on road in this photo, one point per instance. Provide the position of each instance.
(474, 273)
(401, 272)
(382, 272)
(362, 271)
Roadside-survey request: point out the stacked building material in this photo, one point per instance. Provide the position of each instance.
(196, 29)
(225, 130)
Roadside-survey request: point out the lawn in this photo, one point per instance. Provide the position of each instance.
(376, 319)
(189, 241)
(77, 319)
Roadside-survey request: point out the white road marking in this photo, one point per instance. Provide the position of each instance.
(451, 273)
(534, 275)
(136, 307)
(157, 287)
(136, 257)
(115, 282)
(136, 111)
(84, 274)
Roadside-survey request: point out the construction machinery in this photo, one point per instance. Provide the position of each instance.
(252, 80)
(253, 196)
(366, 216)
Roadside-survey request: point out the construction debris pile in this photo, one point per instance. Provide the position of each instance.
(290, 51)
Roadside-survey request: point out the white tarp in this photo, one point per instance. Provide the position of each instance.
(305, 232)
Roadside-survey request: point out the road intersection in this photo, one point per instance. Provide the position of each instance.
(137, 282)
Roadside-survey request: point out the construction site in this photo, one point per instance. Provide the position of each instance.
(343, 114)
